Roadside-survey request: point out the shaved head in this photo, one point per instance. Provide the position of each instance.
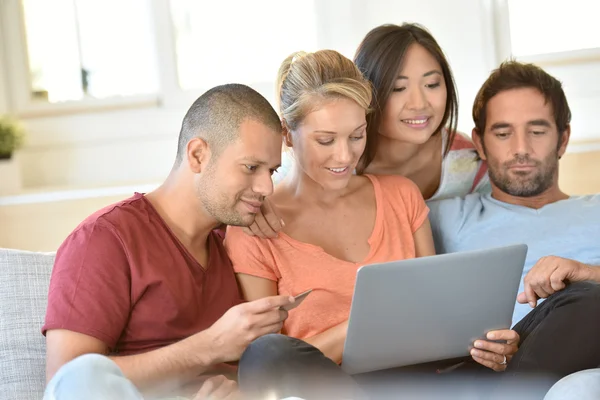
(216, 116)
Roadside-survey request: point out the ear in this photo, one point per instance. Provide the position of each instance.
(478, 142)
(564, 141)
(287, 134)
(198, 154)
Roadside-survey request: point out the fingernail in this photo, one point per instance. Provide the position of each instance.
(292, 299)
(475, 353)
(532, 304)
(282, 223)
(491, 335)
(477, 343)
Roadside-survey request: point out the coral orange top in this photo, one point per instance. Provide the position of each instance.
(298, 266)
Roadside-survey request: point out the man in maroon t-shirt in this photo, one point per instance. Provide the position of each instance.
(147, 281)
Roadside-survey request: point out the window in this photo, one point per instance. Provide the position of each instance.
(552, 27)
(238, 40)
(89, 49)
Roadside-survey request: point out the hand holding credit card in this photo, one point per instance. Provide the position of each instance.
(297, 300)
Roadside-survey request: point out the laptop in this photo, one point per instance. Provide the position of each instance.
(430, 308)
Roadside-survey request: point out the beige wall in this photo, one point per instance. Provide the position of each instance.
(580, 173)
(43, 226)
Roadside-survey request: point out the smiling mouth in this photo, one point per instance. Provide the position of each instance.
(415, 121)
(338, 170)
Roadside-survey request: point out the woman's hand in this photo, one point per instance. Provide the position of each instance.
(496, 355)
(266, 223)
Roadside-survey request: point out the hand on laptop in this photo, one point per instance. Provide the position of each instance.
(496, 355)
(549, 275)
(266, 223)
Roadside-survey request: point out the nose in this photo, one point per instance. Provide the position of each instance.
(263, 184)
(521, 143)
(342, 154)
(416, 98)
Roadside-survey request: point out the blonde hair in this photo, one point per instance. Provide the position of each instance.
(306, 78)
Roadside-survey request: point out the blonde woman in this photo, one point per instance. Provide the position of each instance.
(336, 221)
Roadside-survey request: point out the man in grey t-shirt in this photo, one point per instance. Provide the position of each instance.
(522, 129)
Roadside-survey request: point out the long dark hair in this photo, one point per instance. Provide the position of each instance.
(379, 56)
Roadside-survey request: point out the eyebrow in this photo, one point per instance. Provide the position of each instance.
(534, 122)
(334, 133)
(499, 125)
(540, 122)
(255, 160)
(426, 74)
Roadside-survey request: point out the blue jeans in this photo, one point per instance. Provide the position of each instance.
(92, 377)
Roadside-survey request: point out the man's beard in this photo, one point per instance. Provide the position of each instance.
(532, 183)
(222, 207)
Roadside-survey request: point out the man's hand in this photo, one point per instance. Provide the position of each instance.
(491, 354)
(240, 325)
(266, 223)
(218, 387)
(549, 275)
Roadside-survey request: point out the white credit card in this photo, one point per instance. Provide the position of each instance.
(297, 300)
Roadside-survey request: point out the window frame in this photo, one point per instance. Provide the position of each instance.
(504, 46)
(15, 64)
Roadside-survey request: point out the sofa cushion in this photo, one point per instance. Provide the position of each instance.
(24, 281)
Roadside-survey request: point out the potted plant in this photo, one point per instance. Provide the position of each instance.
(12, 136)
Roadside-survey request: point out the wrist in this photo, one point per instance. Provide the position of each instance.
(593, 273)
(210, 348)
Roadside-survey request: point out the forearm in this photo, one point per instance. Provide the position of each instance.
(331, 342)
(163, 370)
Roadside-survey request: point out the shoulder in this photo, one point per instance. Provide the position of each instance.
(104, 227)
(239, 244)
(118, 214)
(461, 142)
(455, 208)
(251, 255)
(590, 201)
(463, 172)
(396, 185)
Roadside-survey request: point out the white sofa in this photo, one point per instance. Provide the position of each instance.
(24, 281)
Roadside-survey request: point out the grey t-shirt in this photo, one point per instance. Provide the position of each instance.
(568, 228)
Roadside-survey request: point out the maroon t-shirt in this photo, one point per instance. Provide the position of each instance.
(124, 278)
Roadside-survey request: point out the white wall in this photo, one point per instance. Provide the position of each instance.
(138, 145)
(582, 88)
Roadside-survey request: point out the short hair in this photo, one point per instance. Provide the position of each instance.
(217, 115)
(306, 78)
(516, 75)
(379, 56)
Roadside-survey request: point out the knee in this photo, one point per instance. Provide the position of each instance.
(582, 385)
(88, 366)
(579, 292)
(586, 291)
(271, 348)
(85, 371)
